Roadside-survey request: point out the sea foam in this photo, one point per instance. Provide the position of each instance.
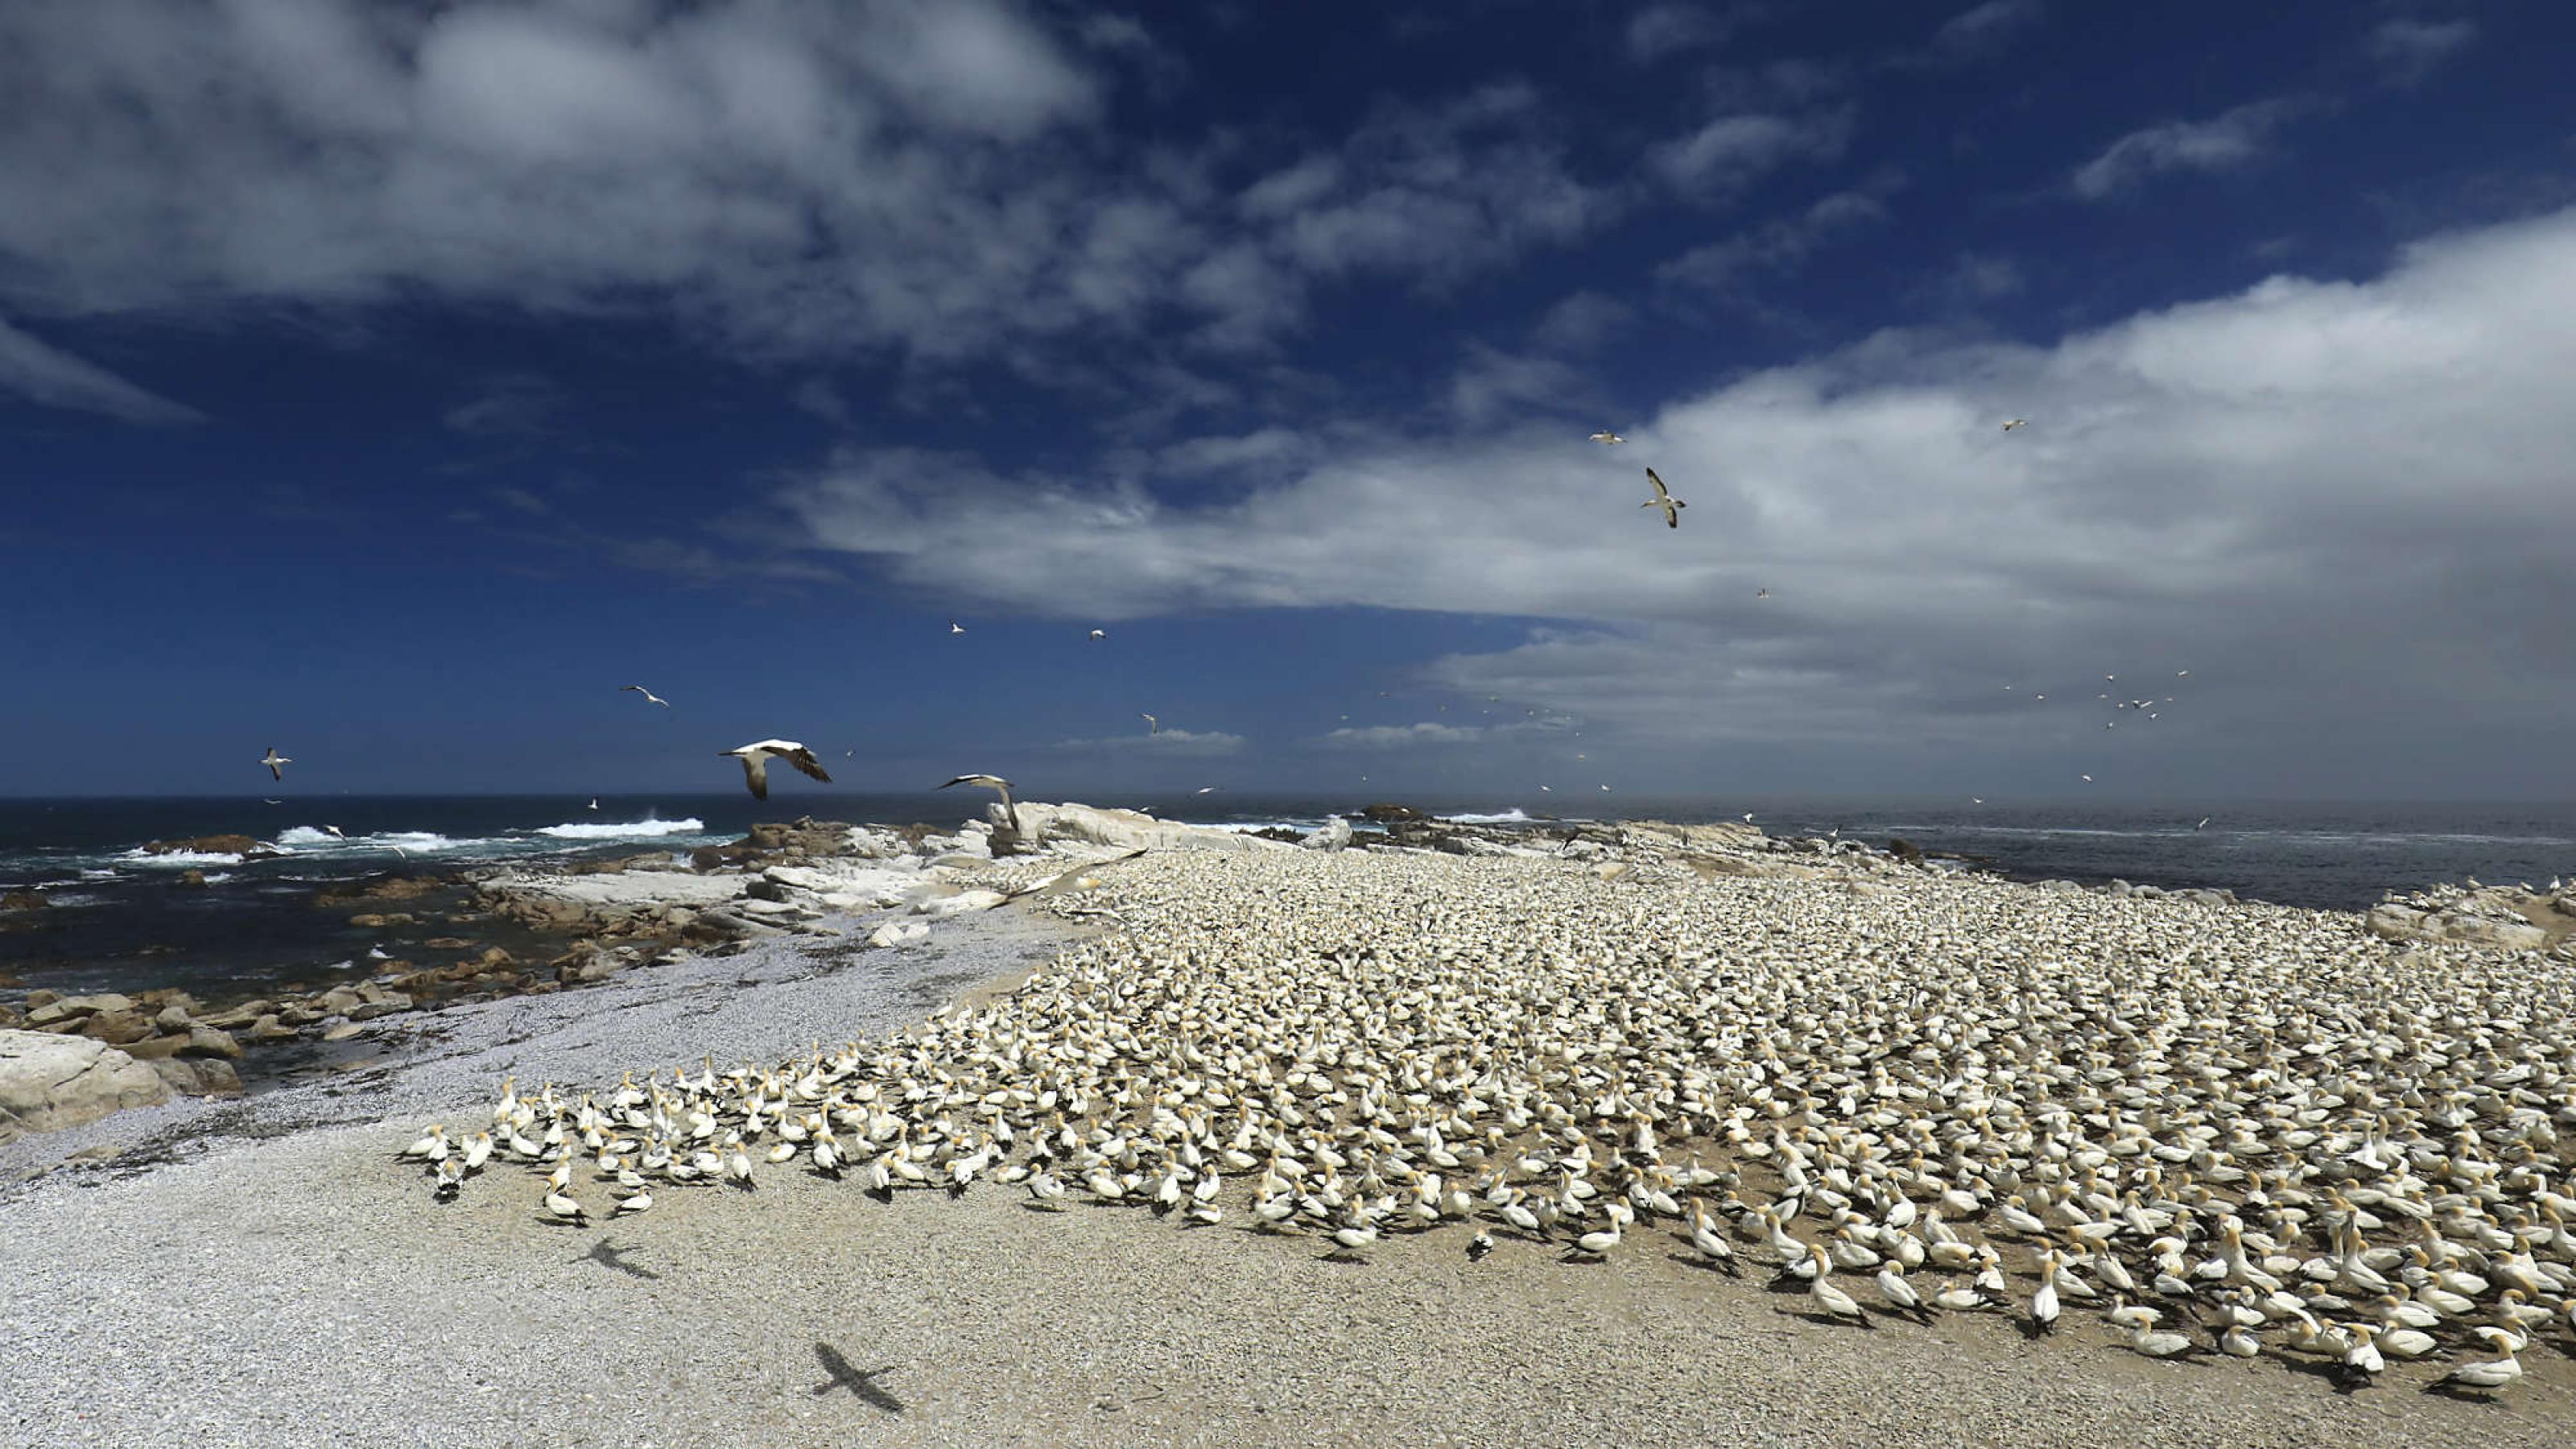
(607, 830)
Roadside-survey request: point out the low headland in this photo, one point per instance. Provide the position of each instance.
(1107, 1129)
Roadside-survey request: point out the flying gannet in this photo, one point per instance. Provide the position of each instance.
(648, 694)
(998, 786)
(755, 759)
(956, 628)
(1098, 634)
(1607, 438)
(1761, 593)
(2012, 423)
(273, 760)
(1664, 500)
(1153, 726)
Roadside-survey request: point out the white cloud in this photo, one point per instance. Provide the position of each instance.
(1664, 30)
(515, 403)
(2410, 50)
(925, 182)
(1732, 152)
(2226, 142)
(1779, 244)
(1181, 744)
(53, 377)
(2335, 502)
(1400, 737)
(1982, 30)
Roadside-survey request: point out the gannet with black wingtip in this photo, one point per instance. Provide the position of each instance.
(2012, 423)
(1153, 726)
(756, 756)
(1606, 438)
(956, 628)
(1664, 500)
(273, 760)
(1099, 634)
(649, 696)
(998, 786)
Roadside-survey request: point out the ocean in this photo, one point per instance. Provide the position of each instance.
(120, 919)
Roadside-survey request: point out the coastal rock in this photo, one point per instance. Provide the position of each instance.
(206, 1041)
(943, 902)
(24, 900)
(202, 1077)
(1334, 835)
(899, 933)
(1384, 813)
(192, 879)
(1903, 849)
(235, 1018)
(118, 1028)
(269, 1028)
(1080, 826)
(49, 1082)
(247, 847)
(2403, 923)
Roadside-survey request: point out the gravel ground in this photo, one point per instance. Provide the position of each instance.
(276, 1286)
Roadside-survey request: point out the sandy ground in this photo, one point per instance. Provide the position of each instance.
(302, 1289)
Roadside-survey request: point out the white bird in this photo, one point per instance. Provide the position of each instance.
(1206, 790)
(1761, 593)
(1606, 438)
(594, 803)
(2012, 423)
(565, 1208)
(756, 756)
(2087, 779)
(998, 786)
(649, 695)
(273, 759)
(1099, 633)
(2203, 825)
(634, 1202)
(1153, 726)
(1664, 500)
(2487, 1374)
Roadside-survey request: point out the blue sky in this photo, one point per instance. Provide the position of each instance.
(391, 383)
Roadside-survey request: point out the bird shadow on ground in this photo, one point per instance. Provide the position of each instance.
(860, 1382)
(1703, 1264)
(612, 1257)
(2330, 1370)
(1827, 1319)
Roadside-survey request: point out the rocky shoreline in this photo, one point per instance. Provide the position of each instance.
(583, 924)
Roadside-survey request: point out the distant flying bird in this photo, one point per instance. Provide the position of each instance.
(1664, 500)
(1153, 725)
(648, 694)
(998, 786)
(2182, 674)
(334, 832)
(273, 759)
(2204, 823)
(1748, 817)
(755, 759)
(1548, 789)
(1607, 438)
(2012, 423)
(2039, 696)
(594, 802)
(1207, 790)
(1766, 593)
(1976, 799)
(2087, 779)
(956, 628)
(1099, 633)
(264, 800)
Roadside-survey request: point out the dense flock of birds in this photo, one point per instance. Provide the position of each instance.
(2246, 1131)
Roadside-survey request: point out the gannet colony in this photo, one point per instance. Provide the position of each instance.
(2212, 1127)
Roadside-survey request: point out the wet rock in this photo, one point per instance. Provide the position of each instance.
(384, 1003)
(270, 1028)
(191, 879)
(247, 847)
(207, 1041)
(24, 900)
(447, 943)
(199, 1077)
(237, 1017)
(1387, 814)
(48, 1083)
(172, 1017)
(1903, 849)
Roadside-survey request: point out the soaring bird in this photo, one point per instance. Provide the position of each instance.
(756, 757)
(649, 695)
(956, 628)
(1664, 500)
(2012, 423)
(1153, 726)
(1607, 438)
(998, 786)
(273, 759)
(1098, 634)
(1761, 593)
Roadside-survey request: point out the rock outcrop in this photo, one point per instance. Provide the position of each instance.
(49, 1082)
(1081, 827)
(2508, 917)
(245, 846)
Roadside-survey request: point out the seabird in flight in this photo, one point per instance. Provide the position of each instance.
(1766, 593)
(998, 786)
(273, 759)
(1607, 438)
(648, 694)
(2012, 423)
(594, 803)
(2203, 825)
(1098, 634)
(755, 759)
(1207, 789)
(1153, 726)
(1664, 500)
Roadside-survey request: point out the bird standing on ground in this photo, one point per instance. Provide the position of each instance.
(650, 696)
(756, 756)
(1664, 500)
(998, 786)
(273, 759)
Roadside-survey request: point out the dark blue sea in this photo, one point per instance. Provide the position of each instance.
(118, 918)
